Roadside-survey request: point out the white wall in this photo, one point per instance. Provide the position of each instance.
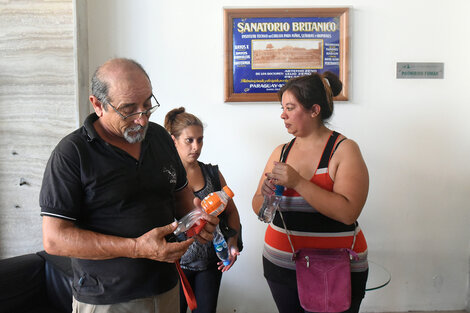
(414, 134)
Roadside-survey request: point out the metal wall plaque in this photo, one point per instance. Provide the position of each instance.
(420, 70)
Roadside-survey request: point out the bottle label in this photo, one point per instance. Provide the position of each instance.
(211, 203)
(220, 246)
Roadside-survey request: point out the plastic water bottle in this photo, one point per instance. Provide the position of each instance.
(187, 221)
(270, 205)
(220, 246)
(213, 204)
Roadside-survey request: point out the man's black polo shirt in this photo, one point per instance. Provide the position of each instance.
(102, 188)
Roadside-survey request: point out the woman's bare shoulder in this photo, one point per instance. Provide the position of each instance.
(346, 145)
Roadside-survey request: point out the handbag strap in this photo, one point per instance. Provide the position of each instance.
(290, 240)
(285, 151)
(287, 232)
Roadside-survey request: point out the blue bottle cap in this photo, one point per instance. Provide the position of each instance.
(227, 262)
(279, 190)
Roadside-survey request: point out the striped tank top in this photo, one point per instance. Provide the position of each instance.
(308, 228)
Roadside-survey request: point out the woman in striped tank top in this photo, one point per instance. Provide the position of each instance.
(326, 184)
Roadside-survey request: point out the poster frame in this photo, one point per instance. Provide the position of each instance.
(342, 15)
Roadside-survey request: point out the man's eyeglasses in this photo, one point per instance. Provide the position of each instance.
(154, 106)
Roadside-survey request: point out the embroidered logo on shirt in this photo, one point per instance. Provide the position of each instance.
(171, 173)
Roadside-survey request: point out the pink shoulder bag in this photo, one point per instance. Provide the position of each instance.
(323, 276)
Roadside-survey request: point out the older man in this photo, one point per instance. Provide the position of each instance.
(110, 194)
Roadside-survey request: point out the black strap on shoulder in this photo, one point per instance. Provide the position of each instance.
(214, 172)
(336, 147)
(325, 158)
(285, 150)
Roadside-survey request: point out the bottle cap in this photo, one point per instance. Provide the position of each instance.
(279, 190)
(228, 191)
(226, 262)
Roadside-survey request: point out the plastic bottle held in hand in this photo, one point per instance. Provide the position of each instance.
(270, 205)
(220, 246)
(213, 204)
(187, 221)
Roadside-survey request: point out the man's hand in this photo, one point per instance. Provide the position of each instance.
(153, 245)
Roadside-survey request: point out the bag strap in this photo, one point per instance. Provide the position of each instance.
(285, 151)
(290, 240)
(214, 173)
(287, 232)
(188, 291)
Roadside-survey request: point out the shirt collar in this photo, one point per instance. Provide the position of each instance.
(89, 128)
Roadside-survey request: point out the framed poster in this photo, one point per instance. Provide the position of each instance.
(264, 48)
